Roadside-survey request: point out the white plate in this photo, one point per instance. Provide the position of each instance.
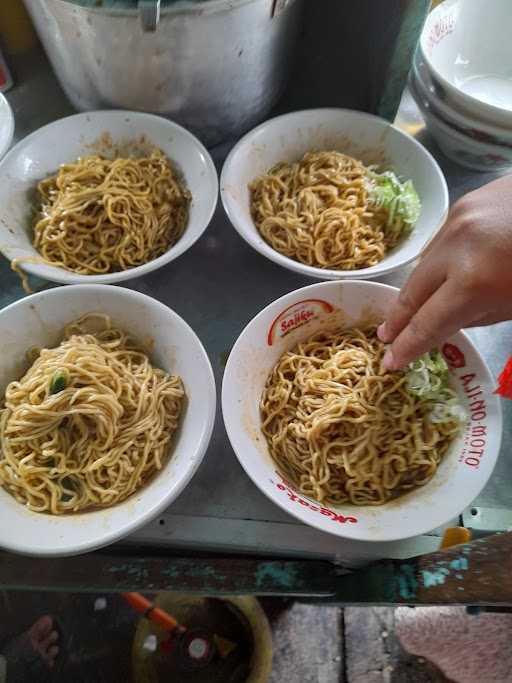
(38, 320)
(6, 125)
(374, 140)
(464, 470)
(41, 153)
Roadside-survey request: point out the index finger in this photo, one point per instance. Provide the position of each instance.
(446, 312)
(427, 277)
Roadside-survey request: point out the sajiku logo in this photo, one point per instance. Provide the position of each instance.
(295, 316)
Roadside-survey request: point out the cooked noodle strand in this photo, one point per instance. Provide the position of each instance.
(89, 422)
(316, 211)
(100, 216)
(342, 429)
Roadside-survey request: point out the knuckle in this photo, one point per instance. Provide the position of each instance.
(471, 223)
(466, 203)
(419, 334)
(405, 301)
(464, 215)
(473, 279)
(465, 225)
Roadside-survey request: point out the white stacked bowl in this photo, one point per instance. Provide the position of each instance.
(462, 82)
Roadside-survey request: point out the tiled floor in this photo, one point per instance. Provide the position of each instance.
(312, 643)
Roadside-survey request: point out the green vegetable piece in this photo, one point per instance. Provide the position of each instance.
(428, 379)
(427, 376)
(70, 486)
(400, 199)
(59, 381)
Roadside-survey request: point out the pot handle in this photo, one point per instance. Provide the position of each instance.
(149, 13)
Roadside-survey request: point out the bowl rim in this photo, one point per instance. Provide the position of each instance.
(296, 511)
(446, 108)
(261, 246)
(131, 524)
(59, 274)
(492, 110)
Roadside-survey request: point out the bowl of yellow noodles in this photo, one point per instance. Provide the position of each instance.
(108, 404)
(102, 197)
(334, 193)
(343, 445)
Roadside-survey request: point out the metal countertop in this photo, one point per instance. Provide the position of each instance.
(218, 286)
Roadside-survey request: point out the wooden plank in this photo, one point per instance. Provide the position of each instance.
(477, 573)
(99, 572)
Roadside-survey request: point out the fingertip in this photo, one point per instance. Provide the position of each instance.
(447, 311)
(396, 359)
(382, 332)
(388, 361)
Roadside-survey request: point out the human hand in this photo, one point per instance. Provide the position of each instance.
(464, 277)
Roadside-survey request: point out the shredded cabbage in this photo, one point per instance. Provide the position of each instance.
(386, 190)
(427, 378)
(448, 411)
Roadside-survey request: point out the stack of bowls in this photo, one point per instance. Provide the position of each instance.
(462, 81)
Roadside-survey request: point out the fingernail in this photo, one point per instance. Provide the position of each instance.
(388, 361)
(381, 332)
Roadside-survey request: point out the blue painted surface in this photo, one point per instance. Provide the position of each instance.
(459, 563)
(438, 574)
(406, 581)
(276, 572)
(434, 578)
(276, 575)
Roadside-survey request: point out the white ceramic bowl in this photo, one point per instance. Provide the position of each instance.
(6, 125)
(38, 320)
(374, 140)
(467, 47)
(461, 148)
(456, 118)
(463, 472)
(41, 153)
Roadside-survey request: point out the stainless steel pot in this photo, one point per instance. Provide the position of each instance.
(216, 66)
